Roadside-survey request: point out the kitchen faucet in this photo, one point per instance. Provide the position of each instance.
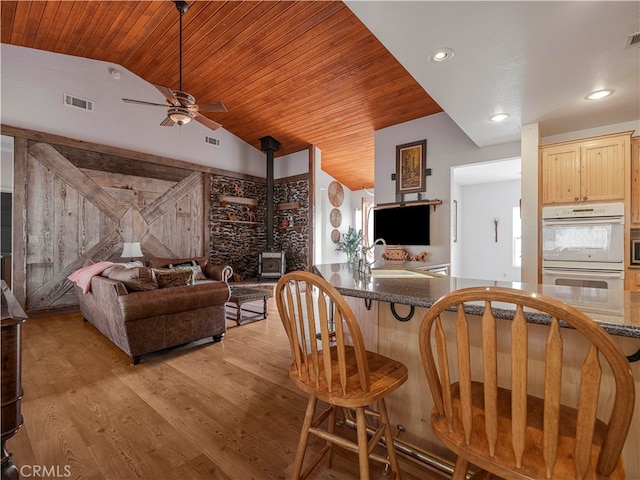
(364, 265)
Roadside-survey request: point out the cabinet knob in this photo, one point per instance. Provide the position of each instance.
(584, 199)
(576, 199)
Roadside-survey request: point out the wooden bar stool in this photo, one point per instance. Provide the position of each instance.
(331, 364)
(483, 411)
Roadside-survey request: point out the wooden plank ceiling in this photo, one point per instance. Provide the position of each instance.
(306, 73)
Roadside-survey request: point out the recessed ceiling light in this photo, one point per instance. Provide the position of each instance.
(498, 117)
(441, 55)
(598, 94)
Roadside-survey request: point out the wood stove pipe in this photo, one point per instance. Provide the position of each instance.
(269, 144)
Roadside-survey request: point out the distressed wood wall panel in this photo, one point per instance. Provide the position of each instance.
(39, 205)
(54, 160)
(77, 210)
(176, 227)
(133, 183)
(94, 226)
(66, 228)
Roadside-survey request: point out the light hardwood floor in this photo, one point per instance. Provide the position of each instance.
(211, 411)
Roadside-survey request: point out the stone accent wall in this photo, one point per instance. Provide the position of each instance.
(291, 226)
(238, 230)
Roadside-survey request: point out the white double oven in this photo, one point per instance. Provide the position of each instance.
(583, 246)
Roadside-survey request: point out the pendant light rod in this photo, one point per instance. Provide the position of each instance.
(182, 7)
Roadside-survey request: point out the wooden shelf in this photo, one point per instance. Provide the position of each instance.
(237, 221)
(288, 206)
(435, 203)
(241, 200)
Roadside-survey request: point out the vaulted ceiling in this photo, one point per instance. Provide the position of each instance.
(306, 73)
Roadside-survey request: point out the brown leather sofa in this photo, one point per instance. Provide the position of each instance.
(141, 322)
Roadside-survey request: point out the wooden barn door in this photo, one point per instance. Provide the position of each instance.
(81, 205)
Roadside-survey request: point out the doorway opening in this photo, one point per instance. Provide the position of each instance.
(485, 236)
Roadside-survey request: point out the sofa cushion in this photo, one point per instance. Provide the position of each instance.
(139, 305)
(135, 278)
(173, 277)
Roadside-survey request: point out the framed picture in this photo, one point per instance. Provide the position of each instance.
(411, 167)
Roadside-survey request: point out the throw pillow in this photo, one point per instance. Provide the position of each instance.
(136, 278)
(192, 266)
(173, 277)
(109, 270)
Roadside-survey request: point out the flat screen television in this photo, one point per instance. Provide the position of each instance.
(402, 225)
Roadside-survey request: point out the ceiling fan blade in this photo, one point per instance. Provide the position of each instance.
(207, 122)
(140, 102)
(168, 94)
(167, 122)
(212, 107)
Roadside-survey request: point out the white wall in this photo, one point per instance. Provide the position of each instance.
(530, 135)
(592, 132)
(481, 257)
(289, 165)
(33, 84)
(457, 217)
(447, 146)
(325, 249)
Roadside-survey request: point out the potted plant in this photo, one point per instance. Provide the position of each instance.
(350, 243)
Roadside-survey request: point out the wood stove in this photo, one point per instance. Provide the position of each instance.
(271, 263)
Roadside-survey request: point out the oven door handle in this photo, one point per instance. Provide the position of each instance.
(573, 273)
(594, 221)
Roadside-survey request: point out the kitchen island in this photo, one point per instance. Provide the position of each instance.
(391, 302)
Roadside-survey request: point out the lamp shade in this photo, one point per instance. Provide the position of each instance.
(131, 250)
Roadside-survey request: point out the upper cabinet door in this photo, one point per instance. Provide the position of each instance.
(561, 174)
(635, 181)
(603, 170)
(589, 170)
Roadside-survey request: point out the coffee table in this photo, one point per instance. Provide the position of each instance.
(241, 295)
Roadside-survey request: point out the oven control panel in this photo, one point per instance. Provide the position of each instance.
(584, 211)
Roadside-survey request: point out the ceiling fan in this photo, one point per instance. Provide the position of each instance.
(181, 107)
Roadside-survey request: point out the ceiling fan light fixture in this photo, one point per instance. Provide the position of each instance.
(180, 115)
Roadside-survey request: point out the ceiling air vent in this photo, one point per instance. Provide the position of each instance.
(77, 102)
(212, 141)
(633, 40)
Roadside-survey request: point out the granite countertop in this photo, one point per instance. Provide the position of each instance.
(616, 311)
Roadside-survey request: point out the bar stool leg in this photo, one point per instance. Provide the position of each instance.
(388, 437)
(304, 437)
(363, 443)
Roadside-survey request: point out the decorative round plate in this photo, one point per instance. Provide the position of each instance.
(335, 217)
(335, 235)
(336, 194)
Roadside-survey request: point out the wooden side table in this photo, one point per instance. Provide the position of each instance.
(240, 295)
(12, 318)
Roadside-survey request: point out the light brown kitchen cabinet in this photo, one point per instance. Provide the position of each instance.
(635, 181)
(590, 170)
(632, 279)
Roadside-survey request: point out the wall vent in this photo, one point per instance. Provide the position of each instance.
(633, 40)
(212, 141)
(77, 102)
